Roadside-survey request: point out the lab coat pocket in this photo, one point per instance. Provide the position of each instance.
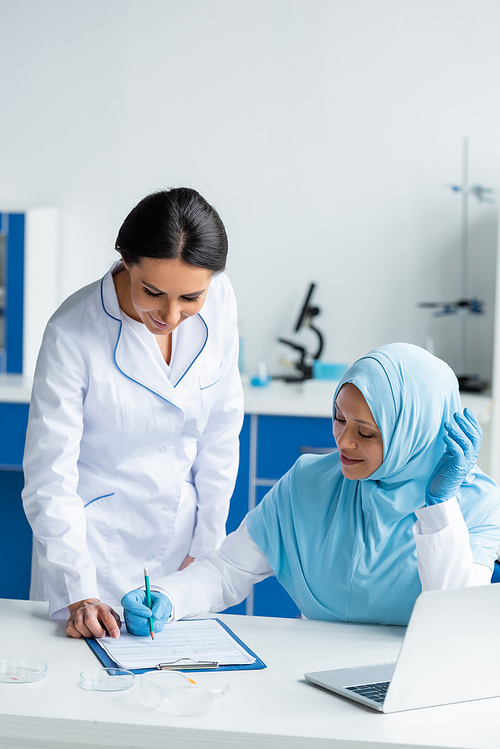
(102, 524)
(208, 379)
(209, 391)
(96, 499)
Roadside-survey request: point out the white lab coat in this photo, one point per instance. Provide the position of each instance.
(128, 462)
(224, 577)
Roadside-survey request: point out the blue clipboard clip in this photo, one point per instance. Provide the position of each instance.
(187, 664)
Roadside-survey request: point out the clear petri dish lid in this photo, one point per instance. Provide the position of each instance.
(106, 679)
(21, 670)
(178, 694)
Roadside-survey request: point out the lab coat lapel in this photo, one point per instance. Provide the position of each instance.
(132, 355)
(135, 359)
(192, 336)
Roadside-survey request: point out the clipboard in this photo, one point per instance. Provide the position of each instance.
(258, 663)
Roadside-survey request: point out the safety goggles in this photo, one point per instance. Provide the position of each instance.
(177, 693)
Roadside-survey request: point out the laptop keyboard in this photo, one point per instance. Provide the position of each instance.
(376, 691)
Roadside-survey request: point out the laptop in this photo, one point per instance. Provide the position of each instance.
(450, 653)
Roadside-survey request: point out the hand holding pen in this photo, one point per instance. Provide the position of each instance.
(145, 616)
(148, 603)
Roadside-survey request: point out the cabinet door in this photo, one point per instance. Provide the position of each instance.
(239, 501)
(269, 597)
(283, 439)
(13, 422)
(15, 549)
(238, 507)
(279, 440)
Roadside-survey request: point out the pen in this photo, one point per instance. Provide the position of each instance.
(148, 602)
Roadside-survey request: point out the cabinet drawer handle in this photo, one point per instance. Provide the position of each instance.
(304, 449)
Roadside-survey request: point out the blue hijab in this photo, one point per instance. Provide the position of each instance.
(344, 549)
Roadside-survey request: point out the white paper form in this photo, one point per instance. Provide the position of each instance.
(199, 640)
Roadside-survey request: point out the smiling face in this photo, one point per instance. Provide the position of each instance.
(162, 293)
(358, 438)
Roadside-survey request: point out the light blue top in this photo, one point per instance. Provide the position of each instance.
(344, 549)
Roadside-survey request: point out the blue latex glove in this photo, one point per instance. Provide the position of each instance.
(137, 614)
(463, 440)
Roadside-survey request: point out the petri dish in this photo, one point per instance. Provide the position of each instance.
(106, 679)
(21, 670)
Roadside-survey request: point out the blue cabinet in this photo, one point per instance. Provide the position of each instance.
(239, 501)
(28, 284)
(269, 446)
(281, 440)
(15, 549)
(14, 422)
(28, 297)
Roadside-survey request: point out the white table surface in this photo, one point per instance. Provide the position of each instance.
(273, 707)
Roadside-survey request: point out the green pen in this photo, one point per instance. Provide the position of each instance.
(148, 602)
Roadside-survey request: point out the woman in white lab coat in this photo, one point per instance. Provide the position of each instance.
(132, 444)
(355, 536)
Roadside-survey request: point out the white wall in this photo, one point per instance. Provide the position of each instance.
(325, 132)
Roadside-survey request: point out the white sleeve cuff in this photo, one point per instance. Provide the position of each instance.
(444, 554)
(435, 518)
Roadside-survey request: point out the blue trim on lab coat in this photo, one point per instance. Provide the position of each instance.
(103, 497)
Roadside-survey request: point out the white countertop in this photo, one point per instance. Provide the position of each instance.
(309, 398)
(315, 398)
(271, 708)
(15, 388)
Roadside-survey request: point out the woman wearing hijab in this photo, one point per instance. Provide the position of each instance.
(358, 534)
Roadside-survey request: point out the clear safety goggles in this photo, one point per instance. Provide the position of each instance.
(177, 693)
